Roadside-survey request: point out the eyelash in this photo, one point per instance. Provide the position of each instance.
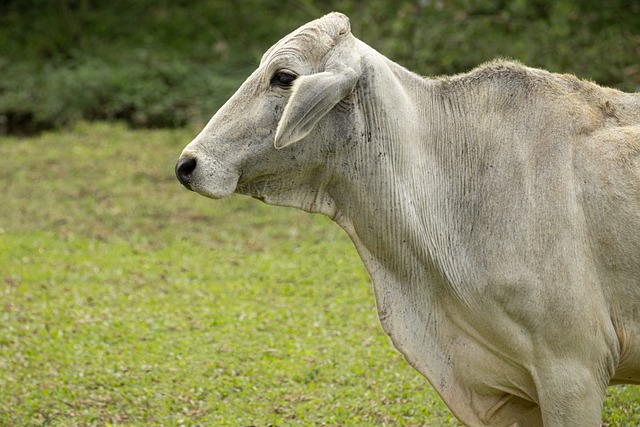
(283, 79)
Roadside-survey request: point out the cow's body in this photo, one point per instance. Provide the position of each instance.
(497, 212)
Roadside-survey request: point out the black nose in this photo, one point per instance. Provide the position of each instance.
(184, 169)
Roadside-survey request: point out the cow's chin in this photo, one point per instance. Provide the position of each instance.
(216, 189)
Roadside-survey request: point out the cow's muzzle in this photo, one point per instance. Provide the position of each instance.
(184, 169)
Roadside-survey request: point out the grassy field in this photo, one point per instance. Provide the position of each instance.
(127, 300)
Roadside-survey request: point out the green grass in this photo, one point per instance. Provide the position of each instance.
(127, 300)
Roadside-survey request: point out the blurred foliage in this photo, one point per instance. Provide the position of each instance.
(170, 63)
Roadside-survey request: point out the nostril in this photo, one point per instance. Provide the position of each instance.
(184, 169)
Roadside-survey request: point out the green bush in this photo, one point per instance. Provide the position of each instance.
(144, 94)
(159, 64)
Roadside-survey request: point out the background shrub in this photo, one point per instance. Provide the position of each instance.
(171, 63)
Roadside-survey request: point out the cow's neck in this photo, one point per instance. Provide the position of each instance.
(396, 201)
(401, 190)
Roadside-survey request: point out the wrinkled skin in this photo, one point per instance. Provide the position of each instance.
(497, 212)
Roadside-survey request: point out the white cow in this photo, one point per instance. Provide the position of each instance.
(497, 212)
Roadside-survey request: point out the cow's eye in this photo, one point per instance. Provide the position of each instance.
(283, 78)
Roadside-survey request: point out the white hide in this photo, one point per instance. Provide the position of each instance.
(497, 212)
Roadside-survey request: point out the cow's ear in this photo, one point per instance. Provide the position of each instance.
(312, 97)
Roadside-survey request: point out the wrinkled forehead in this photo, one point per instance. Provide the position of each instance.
(309, 43)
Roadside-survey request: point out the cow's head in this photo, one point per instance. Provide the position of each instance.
(276, 131)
